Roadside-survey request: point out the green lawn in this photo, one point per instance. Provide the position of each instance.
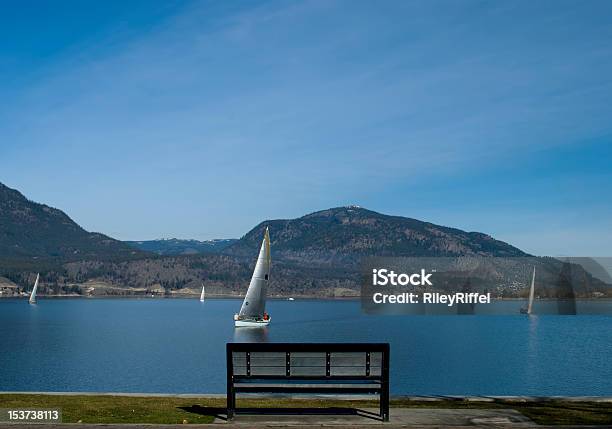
(131, 409)
(114, 409)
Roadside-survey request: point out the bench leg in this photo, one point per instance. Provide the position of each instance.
(384, 408)
(231, 393)
(384, 403)
(231, 403)
(384, 393)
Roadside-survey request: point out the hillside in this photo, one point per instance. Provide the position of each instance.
(346, 234)
(318, 254)
(175, 246)
(29, 230)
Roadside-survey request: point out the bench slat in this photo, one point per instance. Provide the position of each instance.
(308, 355)
(267, 361)
(239, 360)
(311, 385)
(348, 360)
(307, 361)
(267, 355)
(313, 378)
(309, 389)
(308, 370)
(349, 370)
(356, 355)
(267, 370)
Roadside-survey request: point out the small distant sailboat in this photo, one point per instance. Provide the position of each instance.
(253, 310)
(529, 308)
(203, 294)
(34, 289)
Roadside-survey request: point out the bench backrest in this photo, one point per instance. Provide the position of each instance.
(308, 360)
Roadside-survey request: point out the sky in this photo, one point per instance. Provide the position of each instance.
(201, 119)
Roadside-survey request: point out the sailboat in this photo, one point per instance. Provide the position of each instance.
(203, 294)
(34, 289)
(529, 308)
(253, 310)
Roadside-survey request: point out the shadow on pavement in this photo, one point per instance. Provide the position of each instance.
(217, 412)
(221, 413)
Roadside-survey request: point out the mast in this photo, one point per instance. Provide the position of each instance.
(254, 304)
(531, 293)
(34, 289)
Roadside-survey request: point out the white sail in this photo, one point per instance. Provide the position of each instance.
(531, 293)
(203, 294)
(254, 304)
(34, 289)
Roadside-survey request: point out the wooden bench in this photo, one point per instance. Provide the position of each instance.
(317, 368)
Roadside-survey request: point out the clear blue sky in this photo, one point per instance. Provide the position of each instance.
(147, 119)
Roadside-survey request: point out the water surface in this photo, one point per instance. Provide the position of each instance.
(178, 346)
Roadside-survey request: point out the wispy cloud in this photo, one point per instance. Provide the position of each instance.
(223, 115)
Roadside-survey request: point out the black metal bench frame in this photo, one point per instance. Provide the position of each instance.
(379, 383)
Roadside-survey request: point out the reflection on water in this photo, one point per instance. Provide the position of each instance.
(321, 320)
(532, 338)
(251, 335)
(531, 359)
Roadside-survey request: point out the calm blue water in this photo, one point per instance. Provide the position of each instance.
(178, 346)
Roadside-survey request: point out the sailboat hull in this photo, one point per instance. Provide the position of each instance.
(251, 323)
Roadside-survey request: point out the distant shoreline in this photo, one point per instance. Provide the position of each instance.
(236, 297)
(270, 298)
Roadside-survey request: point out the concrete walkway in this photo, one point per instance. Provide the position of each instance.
(400, 417)
(362, 419)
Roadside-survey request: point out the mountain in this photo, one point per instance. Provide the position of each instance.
(29, 230)
(314, 255)
(175, 246)
(319, 254)
(346, 234)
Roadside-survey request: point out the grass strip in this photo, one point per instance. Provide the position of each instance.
(169, 410)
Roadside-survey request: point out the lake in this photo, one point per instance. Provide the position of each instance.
(178, 346)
